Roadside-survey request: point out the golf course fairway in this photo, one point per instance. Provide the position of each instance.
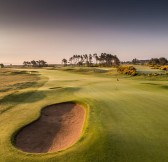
(126, 119)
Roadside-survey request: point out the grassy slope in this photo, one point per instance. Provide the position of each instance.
(146, 69)
(128, 120)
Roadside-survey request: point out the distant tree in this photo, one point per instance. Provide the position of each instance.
(78, 58)
(163, 61)
(154, 61)
(88, 60)
(116, 61)
(108, 59)
(40, 63)
(82, 59)
(135, 61)
(64, 61)
(95, 57)
(25, 63)
(70, 60)
(28, 63)
(80, 63)
(2, 65)
(34, 63)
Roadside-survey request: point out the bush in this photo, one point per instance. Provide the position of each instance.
(165, 67)
(128, 70)
(1, 65)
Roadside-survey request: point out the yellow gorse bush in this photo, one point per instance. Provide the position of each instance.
(128, 70)
(165, 67)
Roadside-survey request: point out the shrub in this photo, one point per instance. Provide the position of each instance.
(128, 70)
(165, 67)
(1, 65)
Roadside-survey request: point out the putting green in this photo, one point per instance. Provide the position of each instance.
(127, 119)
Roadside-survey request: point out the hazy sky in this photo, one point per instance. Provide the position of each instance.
(54, 29)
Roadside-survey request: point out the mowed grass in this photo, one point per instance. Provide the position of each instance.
(147, 70)
(127, 119)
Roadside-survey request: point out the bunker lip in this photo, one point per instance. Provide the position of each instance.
(58, 127)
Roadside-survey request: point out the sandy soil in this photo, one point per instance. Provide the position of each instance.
(58, 127)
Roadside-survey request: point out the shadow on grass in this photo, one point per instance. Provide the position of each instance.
(86, 70)
(155, 84)
(20, 98)
(19, 86)
(5, 89)
(66, 89)
(71, 89)
(25, 85)
(32, 96)
(26, 97)
(151, 83)
(23, 72)
(55, 87)
(165, 87)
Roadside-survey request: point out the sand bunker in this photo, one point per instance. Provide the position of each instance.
(58, 127)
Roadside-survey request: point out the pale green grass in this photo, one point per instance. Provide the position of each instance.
(147, 70)
(128, 119)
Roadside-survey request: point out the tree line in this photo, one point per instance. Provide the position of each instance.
(103, 59)
(33, 63)
(158, 61)
(152, 61)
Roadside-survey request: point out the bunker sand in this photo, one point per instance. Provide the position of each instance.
(58, 128)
